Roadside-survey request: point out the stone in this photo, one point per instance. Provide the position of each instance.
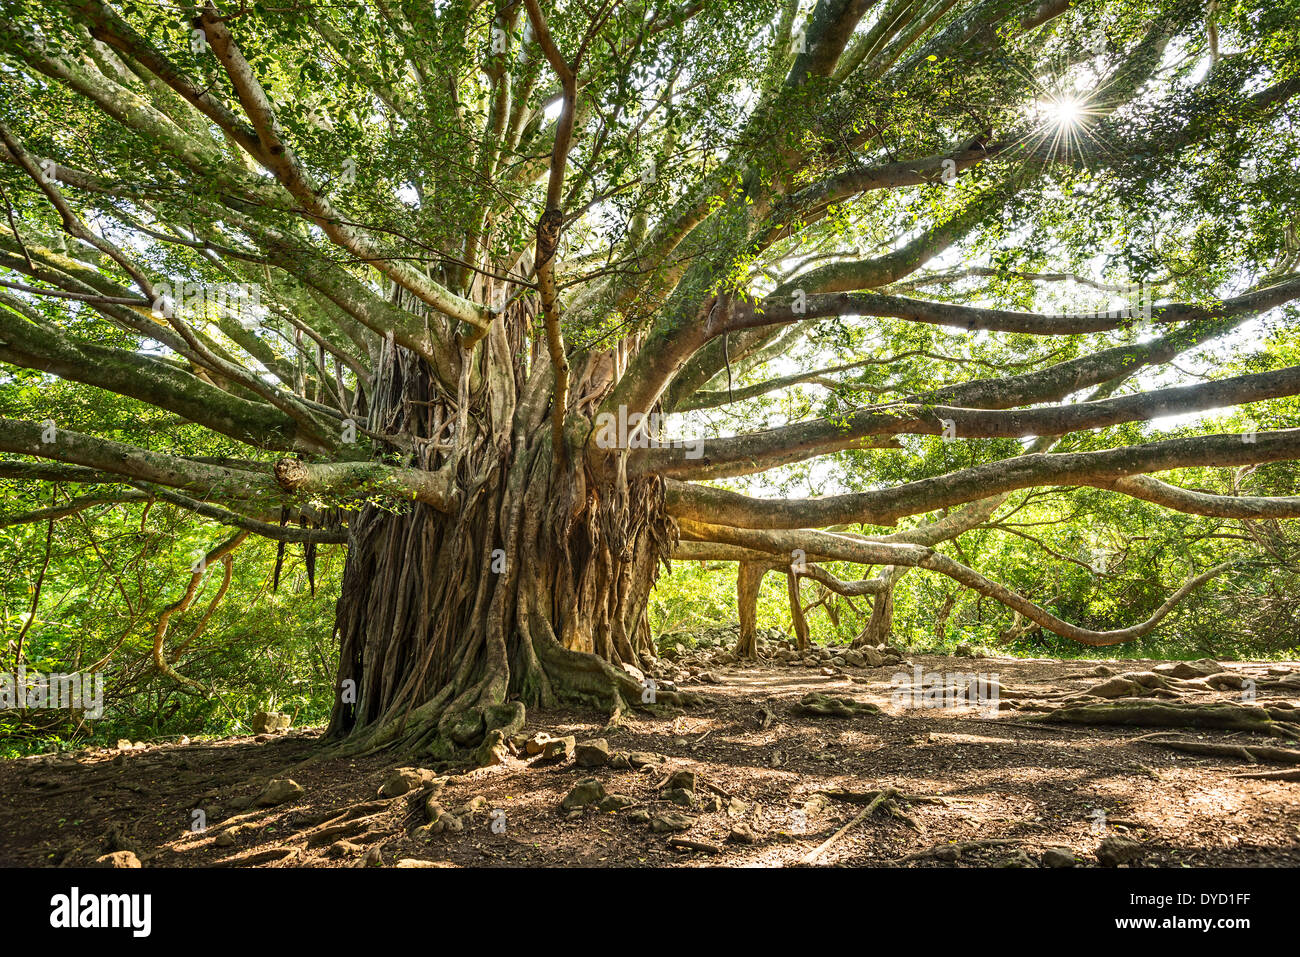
(742, 835)
(638, 814)
(683, 779)
(278, 791)
(635, 672)
(872, 657)
(620, 762)
(373, 858)
(643, 759)
(557, 749)
(493, 751)
(1116, 850)
(269, 722)
(615, 802)
(1058, 857)
(670, 822)
(592, 754)
(536, 744)
(343, 849)
(737, 808)
(585, 792)
(124, 744)
(409, 862)
(679, 796)
(224, 839)
(118, 859)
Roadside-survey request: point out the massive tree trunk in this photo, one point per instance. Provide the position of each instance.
(531, 590)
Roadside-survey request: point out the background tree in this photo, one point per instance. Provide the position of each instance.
(424, 277)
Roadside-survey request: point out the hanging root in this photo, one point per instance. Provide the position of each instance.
(531, 595)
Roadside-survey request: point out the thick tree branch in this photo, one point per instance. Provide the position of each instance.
(886, 506)
(762, 450)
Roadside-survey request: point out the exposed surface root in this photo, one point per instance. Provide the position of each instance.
(819, 705)
(953, 852)
(1288, 774)
(866, 797)
(1175, 714)
(1245, 752)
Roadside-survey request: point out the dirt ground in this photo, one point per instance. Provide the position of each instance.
(1011, 788)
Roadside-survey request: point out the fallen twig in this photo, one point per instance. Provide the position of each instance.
(882, 797)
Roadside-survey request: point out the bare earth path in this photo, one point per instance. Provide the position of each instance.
(759, 763)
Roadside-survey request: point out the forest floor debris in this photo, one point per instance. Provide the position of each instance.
(904, 786)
